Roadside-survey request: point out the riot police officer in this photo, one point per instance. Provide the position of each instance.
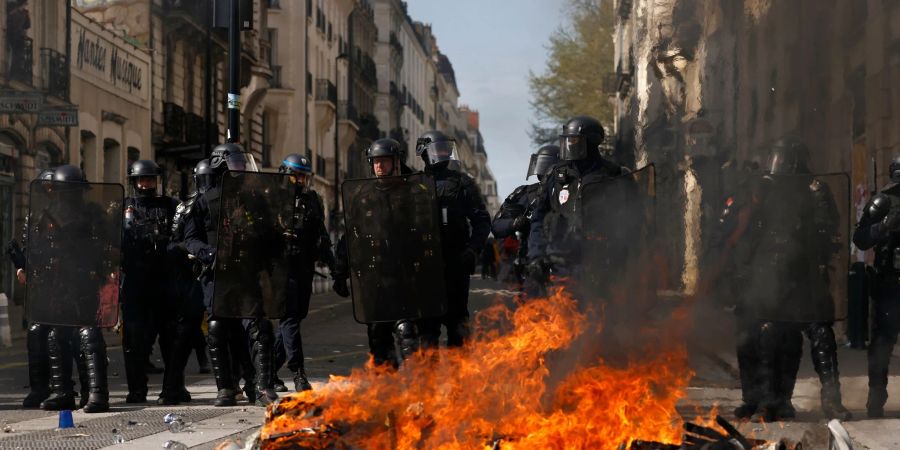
(465, 225)
(307, 243)
(62, 339)
(225, 339)
(556, 238)
(879, 228)
(783, 262)
(389, 342)
(148, 227)
(513, 215)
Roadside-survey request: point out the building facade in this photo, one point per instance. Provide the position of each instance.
(703, 87)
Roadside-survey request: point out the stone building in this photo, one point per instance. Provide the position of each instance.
(702, 87)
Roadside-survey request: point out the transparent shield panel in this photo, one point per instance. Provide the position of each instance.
(393, 239)
(74, 253)
(792, 262)
(251, 264)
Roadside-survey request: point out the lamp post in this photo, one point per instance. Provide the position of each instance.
(337, 151)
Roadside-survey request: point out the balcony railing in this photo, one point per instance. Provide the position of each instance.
(347, 111)
(395, 44)
(196, 10)
(194, 129)
(173, 121)
(22, 66)
(55, 73)
(275, 82)
(326, 90)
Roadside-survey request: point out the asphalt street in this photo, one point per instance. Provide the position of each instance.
(335, 343)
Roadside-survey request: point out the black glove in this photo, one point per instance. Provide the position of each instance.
(340, 287)
(207, 256)
(467, 260)
(521, 223)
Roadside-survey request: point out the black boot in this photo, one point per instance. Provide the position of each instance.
(301, 383)
(748, 365)
(59, 346)
(823, 349)
(406, 340)
(94, 349)
(38, 366)
(880, 349)
(220, 359)
(261, 339)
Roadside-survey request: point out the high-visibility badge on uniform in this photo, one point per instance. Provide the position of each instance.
(563, 196)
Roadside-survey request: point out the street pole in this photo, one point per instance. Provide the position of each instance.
(234, 73)
(337, 151)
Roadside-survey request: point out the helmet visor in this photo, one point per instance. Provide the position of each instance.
(241, 162)
(540, 165)
(572, 147)
(301, 179)
(441, 151)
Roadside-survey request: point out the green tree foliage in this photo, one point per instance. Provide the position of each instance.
(580, 54)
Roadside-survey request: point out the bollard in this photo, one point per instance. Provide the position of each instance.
(5, 334)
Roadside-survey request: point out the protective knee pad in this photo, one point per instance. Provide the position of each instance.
(406, 337)
(218, 334)
(260, 330)
(92, 341)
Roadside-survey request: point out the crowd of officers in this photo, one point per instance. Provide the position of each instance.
(170, 250)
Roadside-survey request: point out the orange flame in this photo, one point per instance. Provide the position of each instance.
(494, 392)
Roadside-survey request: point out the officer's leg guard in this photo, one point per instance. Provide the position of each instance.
(176, 334)
(59, 347)
(823, 350)
(93, 347)
(790, 351)
(261, 340)
(38, 366)
(381, 343)
(880, 349)
(220, 358)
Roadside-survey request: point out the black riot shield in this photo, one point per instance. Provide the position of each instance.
(251, 263)
(74, 253)
(792, 263)
(394, 245)
(618, 222)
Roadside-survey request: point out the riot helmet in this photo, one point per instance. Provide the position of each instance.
(46, 175)
(894, 168)
(384, 150)
(543, 161)
(580, 139)
(69, 173)
(436, 147)
(788, 156)
(144, 177)
(299, 168)
(231, 156)
(204, 176)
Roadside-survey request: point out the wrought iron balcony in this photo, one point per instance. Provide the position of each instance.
(195, 10)
(173, 121)
(347, 111)
(55, 73)
(395, 44)
(326, 91)
(22, 61)
(275, 82)
(194, 129)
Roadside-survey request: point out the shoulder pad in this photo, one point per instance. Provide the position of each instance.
(518, 192)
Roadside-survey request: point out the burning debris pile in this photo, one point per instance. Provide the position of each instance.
(494, 393)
